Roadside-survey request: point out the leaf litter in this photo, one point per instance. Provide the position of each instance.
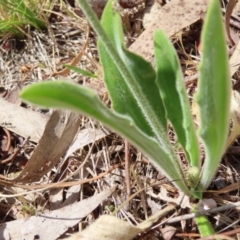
(55, 151)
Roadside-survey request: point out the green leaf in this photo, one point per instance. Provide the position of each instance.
(85, 101)
(131, 83)
(80, 71)
(171, 86)
(136, 90)
(213, 96)
(204, 226)
(123, 100)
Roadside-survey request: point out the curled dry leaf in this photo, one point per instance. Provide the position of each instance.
(109, 227)
(57, 137)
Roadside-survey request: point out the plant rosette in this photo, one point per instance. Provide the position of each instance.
(144, 99)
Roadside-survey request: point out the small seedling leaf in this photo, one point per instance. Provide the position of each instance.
(80, 71)
(172, 88)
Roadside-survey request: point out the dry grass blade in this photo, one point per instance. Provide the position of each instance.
(76, 60)
(214, 210)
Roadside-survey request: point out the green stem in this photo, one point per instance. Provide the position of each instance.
(203, 224)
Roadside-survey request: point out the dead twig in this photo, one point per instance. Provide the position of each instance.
(15, 153)
(213, 210)
(8, 139)
(127, 164)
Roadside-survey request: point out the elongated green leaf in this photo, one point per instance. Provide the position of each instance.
(73, 97)
(213, 96)
(131, 83)
(123, 100)
(148, 110)
(80, 71)
(171, 86)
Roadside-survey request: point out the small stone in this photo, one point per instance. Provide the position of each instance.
(219, 183)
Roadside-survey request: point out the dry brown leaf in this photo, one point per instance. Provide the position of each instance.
(109, 227)
(55, 199)
(171, 18)
(24, 122)
(235, 60)
(230, 6)
(85, 137)
(12, 96)
(168, 232)
(53, 224)
(72, 194)
(149, 12)
(236, 10)
(57, 137)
